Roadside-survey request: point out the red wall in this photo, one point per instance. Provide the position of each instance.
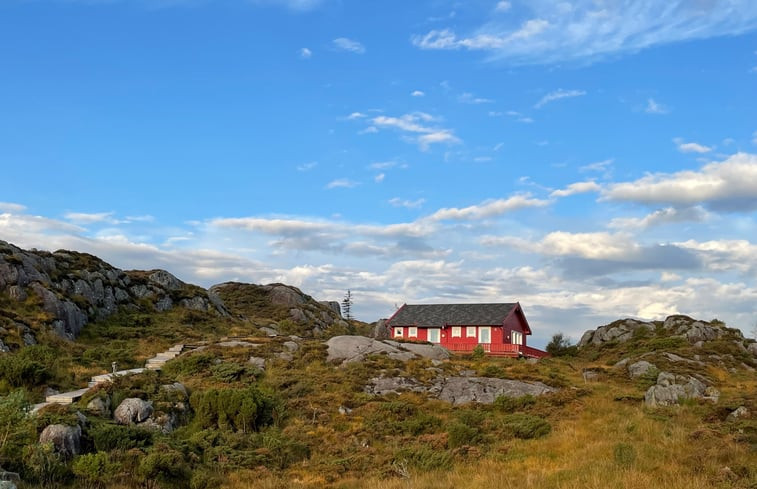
(514, 322)
(496, 336)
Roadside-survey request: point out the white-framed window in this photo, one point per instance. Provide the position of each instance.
(470, 331)
(457, 331)
(433, 335)
(398, 332)
(412, 332)
(516, 338)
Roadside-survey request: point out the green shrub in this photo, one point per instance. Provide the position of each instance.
(44, 465)
(164, 467)
(17, 428)
(460, 434)
(514, 404)
(94, 470)
(526, 426)
(425, 458)
(478, 352)
(233, 409)
(18, 371)
(560, 346)
(232, 372)
(108, 437)
(188, 365)
(281, 451)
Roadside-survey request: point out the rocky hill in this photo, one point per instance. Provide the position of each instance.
(64, 291)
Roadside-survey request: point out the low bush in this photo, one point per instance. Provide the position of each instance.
(525, 426)
(233, 409)
(514, 404)
(424, 458)
(106, 437)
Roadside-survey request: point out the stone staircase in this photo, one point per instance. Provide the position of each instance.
(154, 363)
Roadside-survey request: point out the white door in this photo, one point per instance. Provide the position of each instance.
(484, 334)
(433, 335)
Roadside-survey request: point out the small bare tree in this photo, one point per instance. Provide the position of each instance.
(347, 305)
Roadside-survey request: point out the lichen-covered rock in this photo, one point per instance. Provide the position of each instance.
(284, 295)
(671, 389)
(132, 410)
(381, 331)
(738, 413)
(65, 439)
(622, 330)
(258, 362)
(640, 368)
(99, 406)
(165, 280)
(355, 348)
(334, 306)
(462, 390)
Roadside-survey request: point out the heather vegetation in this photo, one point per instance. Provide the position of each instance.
(248, 405)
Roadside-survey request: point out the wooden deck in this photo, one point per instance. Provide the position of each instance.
(498, 350)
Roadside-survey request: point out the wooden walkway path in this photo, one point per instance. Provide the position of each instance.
(154, 363)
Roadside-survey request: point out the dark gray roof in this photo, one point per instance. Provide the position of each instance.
(438, 315)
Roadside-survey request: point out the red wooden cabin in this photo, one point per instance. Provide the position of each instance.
(501, 329)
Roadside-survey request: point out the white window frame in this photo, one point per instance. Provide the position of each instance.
(457, 331)
(434, 332)
(516, 338)
(398, 332)
(412, 332)
(470, 331)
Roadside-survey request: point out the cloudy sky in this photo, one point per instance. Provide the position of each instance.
(590, 159)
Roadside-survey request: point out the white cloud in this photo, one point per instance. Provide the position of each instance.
(379, 178)
(417, 124)
(488, 208)
(11, 207)
(655, 107)
(754, 137)
(307, 166)
(305, 53)
(382, 165)
(729, 185)
(408, 204)
(469, 98)
(356, 115)
(557, 95)
(660, 217)
(691, 147)
(417, 93)
(350, 45)
(502, 6)
(588, 30)
(369, 130)
(342, 183)
(91, 218)
(598, 166)
(577, 188)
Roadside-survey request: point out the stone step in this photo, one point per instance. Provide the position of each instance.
(67, 397)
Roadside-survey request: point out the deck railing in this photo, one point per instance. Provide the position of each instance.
(504, 349)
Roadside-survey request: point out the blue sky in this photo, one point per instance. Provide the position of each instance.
(591, 159)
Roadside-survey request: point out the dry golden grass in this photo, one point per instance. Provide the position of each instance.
(596, 442)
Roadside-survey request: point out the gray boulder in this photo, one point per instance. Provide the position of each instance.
(433, 352)
(692, 330)
(462, 390)
(752, 348)
(297, 315)
(291, 346)
(394, 385)
(3, 347)
(671, 389)
(334, 306)
(381, 330)
(622, 330)
(257, 362)
(165, 280)
(99, 406)
(17, 293)
(132, 410)
(738, 413)
(640, 368)
(284, 295)
(7, 484)
(355, 348)
(65, 439)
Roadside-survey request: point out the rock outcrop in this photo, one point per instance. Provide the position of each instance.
(671, 389)
(280, 302)
(73, 288)
(132, 411)
(694, 331)
(459, 390)
(347, 349)
(65, 439)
